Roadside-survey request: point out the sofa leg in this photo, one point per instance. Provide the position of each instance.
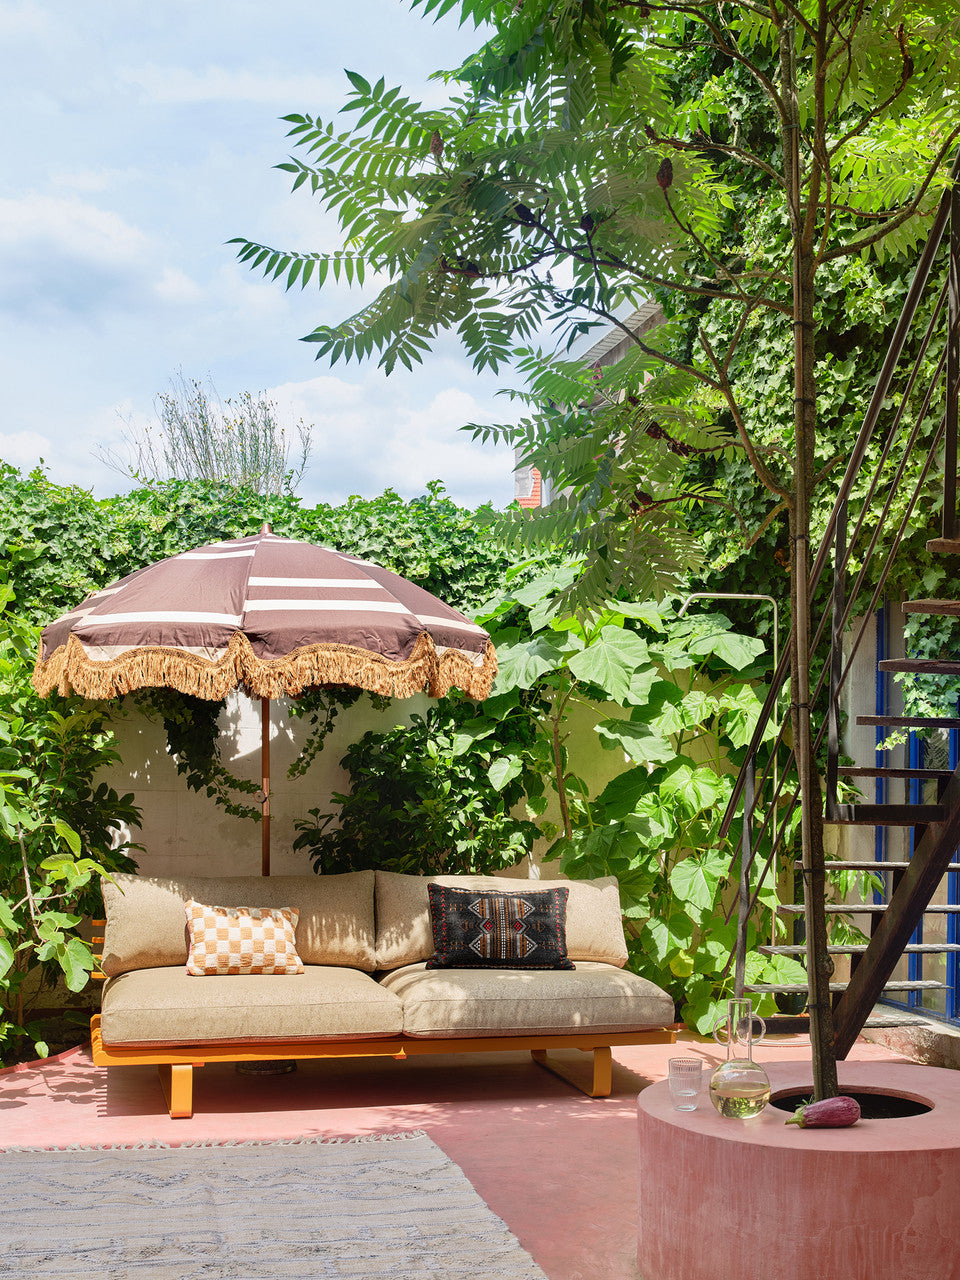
(176, 1080)
(602, 1070)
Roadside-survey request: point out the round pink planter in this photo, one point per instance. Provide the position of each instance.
(759, 1200)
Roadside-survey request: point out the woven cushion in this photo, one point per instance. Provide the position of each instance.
(404, 934)
(516, 1002)
(166, 1006)
(474, 929)
(146, 926)
(235, 940)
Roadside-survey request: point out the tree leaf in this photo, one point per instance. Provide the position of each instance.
(611, 660)
(503, 770)
(696, 879)
(522, 665)
(638, 741)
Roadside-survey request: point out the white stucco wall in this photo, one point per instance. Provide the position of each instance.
(185, 831)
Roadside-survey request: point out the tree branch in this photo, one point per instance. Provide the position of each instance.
(856, 246)
(760, 467)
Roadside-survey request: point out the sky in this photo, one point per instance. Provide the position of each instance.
(140, 137)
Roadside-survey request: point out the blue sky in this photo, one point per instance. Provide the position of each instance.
(139, 138)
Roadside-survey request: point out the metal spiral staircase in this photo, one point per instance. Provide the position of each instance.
(912, 412)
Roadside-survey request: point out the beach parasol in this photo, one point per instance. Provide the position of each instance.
(272, 617)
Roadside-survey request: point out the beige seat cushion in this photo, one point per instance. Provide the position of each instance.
(404, 934)
(146, 923)
(506, 1002)
(167, 1006)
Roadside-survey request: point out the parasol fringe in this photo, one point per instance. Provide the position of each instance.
(70, 670)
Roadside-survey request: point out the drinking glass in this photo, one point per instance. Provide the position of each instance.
(685, 1079)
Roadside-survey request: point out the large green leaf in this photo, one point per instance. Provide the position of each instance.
(522, 665)
(664, 938)
(731, 647)
(6, 956)
(77, 962)
(619, 797)
(642, 683)
(693, 787)
(784, 969)
(696, 879)
(504, 769)
(638, 741)
(611, 661)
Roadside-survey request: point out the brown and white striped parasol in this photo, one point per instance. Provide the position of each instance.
(270, 616)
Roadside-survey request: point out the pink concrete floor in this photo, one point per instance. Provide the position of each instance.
(558, 1167)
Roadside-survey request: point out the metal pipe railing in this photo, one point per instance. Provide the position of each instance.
(871, 417)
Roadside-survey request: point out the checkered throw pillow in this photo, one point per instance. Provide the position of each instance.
(234, 940)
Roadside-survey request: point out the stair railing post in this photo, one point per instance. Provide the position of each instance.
(953, 373)
(746, 862)
(836, 659)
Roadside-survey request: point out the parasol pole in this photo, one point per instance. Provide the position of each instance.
(265, 768)
(265, 790)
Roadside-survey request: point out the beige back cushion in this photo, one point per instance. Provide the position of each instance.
(146, 922)
(404, 934)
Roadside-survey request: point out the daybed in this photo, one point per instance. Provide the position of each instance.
(365, 990)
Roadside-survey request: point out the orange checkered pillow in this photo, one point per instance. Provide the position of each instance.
(228, 940)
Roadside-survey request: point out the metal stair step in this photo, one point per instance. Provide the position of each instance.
(921, 666)
(799, 989)
(887, 815)
(884, 771)
(858, 948)
(872, 908)
(912, 722)
(944, 546)
(867, 864)
(943, 608)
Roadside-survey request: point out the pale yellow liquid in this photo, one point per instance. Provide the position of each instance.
(739, 1099)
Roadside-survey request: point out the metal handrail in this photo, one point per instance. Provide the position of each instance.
(871, 417)
(840, 602)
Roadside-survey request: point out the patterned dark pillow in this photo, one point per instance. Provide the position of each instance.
(485, 929)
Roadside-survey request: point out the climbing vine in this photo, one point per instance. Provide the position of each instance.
(193, 742)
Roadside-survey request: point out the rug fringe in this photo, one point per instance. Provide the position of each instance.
(229, 1142)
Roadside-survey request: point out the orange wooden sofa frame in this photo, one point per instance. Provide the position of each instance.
(176, 1062)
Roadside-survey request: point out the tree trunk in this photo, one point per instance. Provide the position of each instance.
(819, 963)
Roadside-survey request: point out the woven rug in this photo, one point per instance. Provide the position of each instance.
(369, 1208)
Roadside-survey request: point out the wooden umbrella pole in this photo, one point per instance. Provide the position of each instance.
(265, 766)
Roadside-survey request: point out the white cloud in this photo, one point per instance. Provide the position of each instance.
(220, 84)
(18, 20)
(24, 448)
(74, 226)
(384, 433)
(86, 180)
(177, 287)
(63, 255)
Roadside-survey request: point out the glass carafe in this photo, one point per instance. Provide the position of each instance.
(739, 1087)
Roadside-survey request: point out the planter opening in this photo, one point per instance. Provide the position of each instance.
(873, 1106)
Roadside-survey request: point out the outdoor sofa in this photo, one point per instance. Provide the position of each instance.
(365, 989)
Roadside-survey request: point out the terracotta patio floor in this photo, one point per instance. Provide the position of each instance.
(558, 1167)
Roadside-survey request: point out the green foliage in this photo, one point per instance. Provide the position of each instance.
(676, 698)
(595, 156)
(437, 796)
(57, 828)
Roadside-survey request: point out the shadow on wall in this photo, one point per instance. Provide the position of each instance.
(185, 832)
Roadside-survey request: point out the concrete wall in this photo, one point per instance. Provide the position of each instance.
(185, 831)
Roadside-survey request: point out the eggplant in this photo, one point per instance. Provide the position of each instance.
(828, 1113)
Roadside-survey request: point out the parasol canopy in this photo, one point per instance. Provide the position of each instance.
(267, 615)
(272, 617)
